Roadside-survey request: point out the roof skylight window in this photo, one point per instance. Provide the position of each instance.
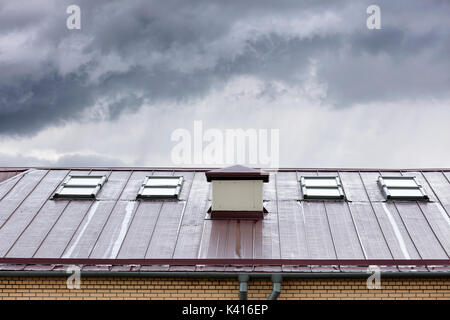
(322, 188)
(80, 186)
(401, 188)
(161, 187)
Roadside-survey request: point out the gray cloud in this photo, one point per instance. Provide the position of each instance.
(72, 160)
(81, 160)
(133, 53)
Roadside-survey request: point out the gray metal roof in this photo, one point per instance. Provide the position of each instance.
(116, 226)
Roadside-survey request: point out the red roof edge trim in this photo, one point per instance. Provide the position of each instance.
(186, 262)
(237, 172)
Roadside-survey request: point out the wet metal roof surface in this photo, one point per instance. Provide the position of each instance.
(6, 174)
(117, 231)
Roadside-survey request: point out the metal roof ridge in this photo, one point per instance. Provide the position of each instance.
(146, 168)
(226, 261)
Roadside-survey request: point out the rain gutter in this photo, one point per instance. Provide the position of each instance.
(200, 274)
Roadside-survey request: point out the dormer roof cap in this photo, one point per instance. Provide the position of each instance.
(237, 172)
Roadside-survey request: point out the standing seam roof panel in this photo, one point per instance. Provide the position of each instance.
(118, 226)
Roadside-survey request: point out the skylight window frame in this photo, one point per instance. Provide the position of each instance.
(304, 188)
(141, 195)
(66, 184)
(389, 196)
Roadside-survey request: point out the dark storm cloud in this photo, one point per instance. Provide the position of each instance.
(135, 52)
(29, 105)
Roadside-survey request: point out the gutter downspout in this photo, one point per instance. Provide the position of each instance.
(243, 286)
(276, 289)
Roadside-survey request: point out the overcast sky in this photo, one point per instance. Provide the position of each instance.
(113, 92)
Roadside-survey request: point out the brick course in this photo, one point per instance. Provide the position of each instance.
(209, 288)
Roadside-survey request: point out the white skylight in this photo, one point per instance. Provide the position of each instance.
(321, 188)
(80, 186)
(401, 188)
(84, 180)
(164, 181)
(161, 187)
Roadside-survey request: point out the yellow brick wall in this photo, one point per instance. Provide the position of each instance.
(202, 288)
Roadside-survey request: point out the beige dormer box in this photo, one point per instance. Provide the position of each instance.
(237, 192)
